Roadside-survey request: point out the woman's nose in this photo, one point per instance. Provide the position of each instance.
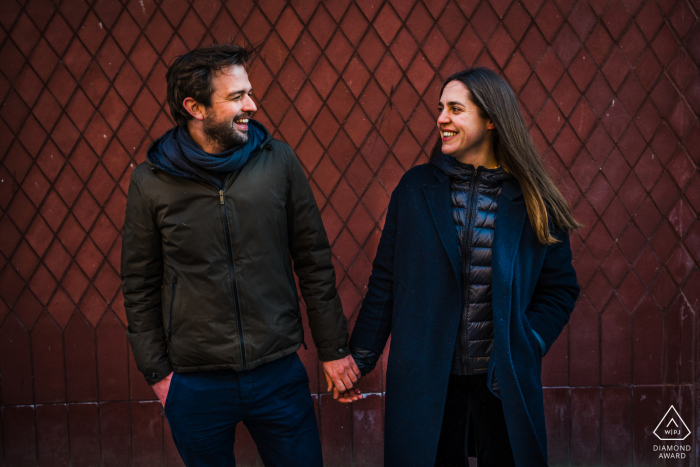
(442, 118)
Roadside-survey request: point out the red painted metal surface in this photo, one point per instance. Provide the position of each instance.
(611, 91)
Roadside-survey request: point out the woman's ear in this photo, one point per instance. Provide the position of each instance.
(194, 108)
(490, 125)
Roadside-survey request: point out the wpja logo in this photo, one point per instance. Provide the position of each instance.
(672, 428)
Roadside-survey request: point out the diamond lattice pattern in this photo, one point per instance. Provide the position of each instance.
(610, 90)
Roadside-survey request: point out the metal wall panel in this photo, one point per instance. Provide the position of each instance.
(611, 91)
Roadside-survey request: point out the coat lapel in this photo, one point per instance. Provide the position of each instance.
(510, 219)
(438, 198)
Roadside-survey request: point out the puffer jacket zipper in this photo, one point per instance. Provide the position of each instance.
(467, 258)
(231, 265)
(232, 271)
(172, 304)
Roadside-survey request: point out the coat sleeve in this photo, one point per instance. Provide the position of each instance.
(142, 279)
(555, 294)
(311, 253)
(373, 324)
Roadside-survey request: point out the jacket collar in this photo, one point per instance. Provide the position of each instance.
(438, 200)
(163, 156)
(510, 220)
(441, 176)
(511, 188)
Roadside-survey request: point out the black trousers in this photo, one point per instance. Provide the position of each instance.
(473, 413)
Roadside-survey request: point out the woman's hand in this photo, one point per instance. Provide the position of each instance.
(348, 396)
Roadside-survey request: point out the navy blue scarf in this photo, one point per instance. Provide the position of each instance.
(183, 153)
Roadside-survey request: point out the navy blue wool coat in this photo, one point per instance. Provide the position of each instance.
(415, 295)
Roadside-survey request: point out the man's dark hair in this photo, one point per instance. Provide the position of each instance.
(190, 75)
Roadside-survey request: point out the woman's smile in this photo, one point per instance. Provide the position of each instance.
(448, 135)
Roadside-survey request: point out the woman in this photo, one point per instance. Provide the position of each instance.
(474, 282)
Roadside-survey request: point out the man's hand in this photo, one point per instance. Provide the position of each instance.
(162, 387)
(341, 375)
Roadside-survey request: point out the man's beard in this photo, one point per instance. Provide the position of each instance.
(224, 134)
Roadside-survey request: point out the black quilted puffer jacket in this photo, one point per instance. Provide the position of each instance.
(474, 199)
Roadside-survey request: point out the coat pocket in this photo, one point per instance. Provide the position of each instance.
(172, 305)
(534, 342)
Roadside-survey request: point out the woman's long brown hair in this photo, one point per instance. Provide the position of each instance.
(515, 151)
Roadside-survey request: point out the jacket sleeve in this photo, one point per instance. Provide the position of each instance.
(142, 278)
(365, 359)
(311, 253)
(373, 324)
(555, 294)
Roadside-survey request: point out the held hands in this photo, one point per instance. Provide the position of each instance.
(342, 376)
(162, 387)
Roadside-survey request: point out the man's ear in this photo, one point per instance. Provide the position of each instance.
(194, 108)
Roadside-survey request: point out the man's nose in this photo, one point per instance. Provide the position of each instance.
(249, 105)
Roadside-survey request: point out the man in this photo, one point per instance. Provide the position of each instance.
(214, 219)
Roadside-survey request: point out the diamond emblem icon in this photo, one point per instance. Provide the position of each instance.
(672, 427)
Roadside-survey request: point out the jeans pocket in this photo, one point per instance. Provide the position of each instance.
(301, 369)
(171, 388)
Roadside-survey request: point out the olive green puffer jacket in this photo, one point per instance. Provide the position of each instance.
(207, 273)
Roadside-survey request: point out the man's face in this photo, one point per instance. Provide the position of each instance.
(226, 120)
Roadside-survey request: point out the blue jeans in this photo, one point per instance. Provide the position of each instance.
(272, 401)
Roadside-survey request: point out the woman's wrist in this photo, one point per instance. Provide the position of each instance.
(365, 359)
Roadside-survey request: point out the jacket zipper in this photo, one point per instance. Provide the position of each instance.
(468, 256)
(232, 271)
(232, 268)
(172, 303)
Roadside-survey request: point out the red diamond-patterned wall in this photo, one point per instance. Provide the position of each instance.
(611, 91)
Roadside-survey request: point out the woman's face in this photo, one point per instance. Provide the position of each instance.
(464, 133)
